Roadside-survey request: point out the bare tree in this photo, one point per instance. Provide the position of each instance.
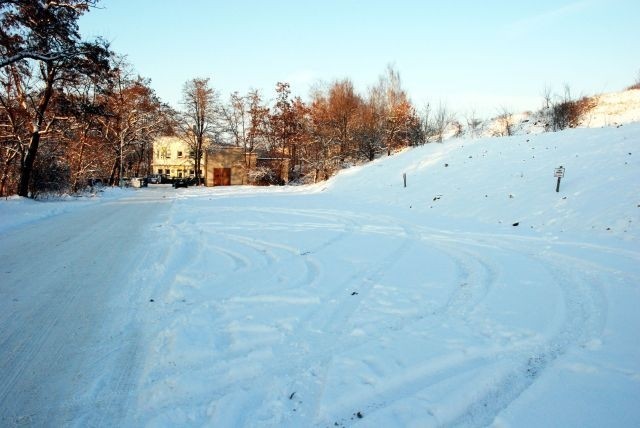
(235, 119)
(197, 124)
(258, 115)
(441, 119)
(317, 153)
(14, 123)
(371, 130)
(547, 97)
(401, 121)
(342, 107)
(40, 46)
(85, 149)
(134, 117)
(567, 112)
(44, 31)
(505, 122)
(473, 123)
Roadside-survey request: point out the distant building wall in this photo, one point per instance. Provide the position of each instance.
(228, 166)
(171, 157)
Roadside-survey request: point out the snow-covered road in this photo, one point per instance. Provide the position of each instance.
(68, 340)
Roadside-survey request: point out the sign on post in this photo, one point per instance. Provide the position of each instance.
(558, 172)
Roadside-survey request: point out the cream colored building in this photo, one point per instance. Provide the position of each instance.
(228, 166)
(171, 158)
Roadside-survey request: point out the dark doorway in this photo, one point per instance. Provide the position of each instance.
(222, 176)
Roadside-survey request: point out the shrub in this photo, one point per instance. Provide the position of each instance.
(567, 113)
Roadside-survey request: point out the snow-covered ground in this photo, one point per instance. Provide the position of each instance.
(475, 296)
(613, 109)
(609, 109)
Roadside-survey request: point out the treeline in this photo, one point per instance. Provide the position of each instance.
(335, 128)
(72, 110)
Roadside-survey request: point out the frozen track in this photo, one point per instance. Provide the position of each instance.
(288, 317)
(191, 309)
(69, 343)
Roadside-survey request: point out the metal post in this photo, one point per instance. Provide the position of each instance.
(404, 178)
(559, 172)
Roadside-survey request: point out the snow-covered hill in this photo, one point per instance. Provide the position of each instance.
(498, 181)
(475, 296)
(610, 109)
(614, 109)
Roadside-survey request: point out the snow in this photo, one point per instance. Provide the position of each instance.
(610, 109)
(614, 109)
(354, 302)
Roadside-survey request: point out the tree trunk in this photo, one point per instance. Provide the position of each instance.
(5, 174)
(196, 166)
(26, 167)
(76, 178)
(114, 170)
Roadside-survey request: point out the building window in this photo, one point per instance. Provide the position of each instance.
(191, 172)
(179, 154)
(167, 171)
(180, 175)
(160, 171)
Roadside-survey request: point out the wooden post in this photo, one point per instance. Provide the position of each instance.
(404, 178)
(558, 185)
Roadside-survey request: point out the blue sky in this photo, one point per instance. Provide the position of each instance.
(471, 55)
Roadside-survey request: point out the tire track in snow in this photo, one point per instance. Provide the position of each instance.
(476, 276)
(273, 253)
(581, 307)
(585, 311)
(303, 359)
(325, 345)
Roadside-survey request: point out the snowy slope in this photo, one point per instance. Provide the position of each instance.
(610, 109)
(359, 302)
(614, 109)
(499, 181)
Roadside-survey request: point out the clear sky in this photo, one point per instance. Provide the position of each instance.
(481, 55)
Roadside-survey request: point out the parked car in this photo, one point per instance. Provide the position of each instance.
(180, 182)
(154, 179)
(139, 182)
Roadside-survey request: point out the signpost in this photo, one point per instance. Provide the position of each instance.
(558, 172)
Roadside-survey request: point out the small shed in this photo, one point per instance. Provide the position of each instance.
(228, 166)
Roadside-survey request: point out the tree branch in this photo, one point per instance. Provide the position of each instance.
(35, 55)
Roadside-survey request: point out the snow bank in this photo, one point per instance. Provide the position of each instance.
(17, 211)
